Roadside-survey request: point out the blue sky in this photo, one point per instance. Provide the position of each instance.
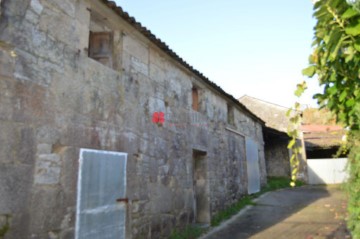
(257, 48)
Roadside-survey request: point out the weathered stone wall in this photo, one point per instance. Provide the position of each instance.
(56, 100)
(277, 157)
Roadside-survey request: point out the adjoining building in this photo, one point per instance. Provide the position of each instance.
(320, 137)
(322, 141)
(277, 155)
(327, 163)
(106, 133)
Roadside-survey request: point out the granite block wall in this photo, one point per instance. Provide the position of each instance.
(55, 99)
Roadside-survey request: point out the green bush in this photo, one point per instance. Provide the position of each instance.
(335, 64)
(353, 186)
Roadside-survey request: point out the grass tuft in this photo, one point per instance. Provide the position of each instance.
(274, 183)
(189, 232)
(193, 231)
(231, 210)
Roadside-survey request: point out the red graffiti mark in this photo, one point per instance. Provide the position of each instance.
(158, 118)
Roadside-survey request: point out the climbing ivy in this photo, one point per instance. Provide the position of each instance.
(294, 133)
(335, 61)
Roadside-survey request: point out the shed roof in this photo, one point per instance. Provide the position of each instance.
(322, 136)
(162, 45)
(320, 129)
(273, 115)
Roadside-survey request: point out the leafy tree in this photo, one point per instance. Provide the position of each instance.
(336, 63)
(335, 59)
(355, 4)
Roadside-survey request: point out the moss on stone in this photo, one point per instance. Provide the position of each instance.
(5, 228)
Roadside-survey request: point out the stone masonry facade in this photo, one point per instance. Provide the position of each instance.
(55, 100)
(277, 155)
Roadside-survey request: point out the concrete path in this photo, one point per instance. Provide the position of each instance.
(310, 212)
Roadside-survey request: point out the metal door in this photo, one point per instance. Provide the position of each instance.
(101, 209)
(253, 171)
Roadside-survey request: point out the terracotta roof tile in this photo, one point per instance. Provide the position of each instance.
(323, 135)
(320, 128)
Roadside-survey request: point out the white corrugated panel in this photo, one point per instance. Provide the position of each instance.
(327, 171)
(253, 171)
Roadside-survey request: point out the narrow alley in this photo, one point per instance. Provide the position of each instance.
(310, 212)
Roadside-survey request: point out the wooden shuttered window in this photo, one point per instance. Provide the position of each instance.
(101, 47)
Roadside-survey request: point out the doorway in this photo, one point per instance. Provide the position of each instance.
(201, 192)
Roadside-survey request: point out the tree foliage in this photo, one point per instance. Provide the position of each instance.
(294, 116)
(336, 63)
(336, 59)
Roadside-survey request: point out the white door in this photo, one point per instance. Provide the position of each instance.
(101, 203)
(253, 171)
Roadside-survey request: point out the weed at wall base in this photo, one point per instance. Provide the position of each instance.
(193, 231)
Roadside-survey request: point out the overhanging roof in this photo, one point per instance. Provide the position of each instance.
(273, 115)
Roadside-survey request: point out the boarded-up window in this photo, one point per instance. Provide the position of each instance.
(195, 99)
(100, 47)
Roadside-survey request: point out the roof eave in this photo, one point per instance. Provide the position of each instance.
(151, 37)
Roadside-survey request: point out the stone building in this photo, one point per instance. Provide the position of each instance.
(106, 133)
(276, 140)
(323, 137)
(277, 154)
